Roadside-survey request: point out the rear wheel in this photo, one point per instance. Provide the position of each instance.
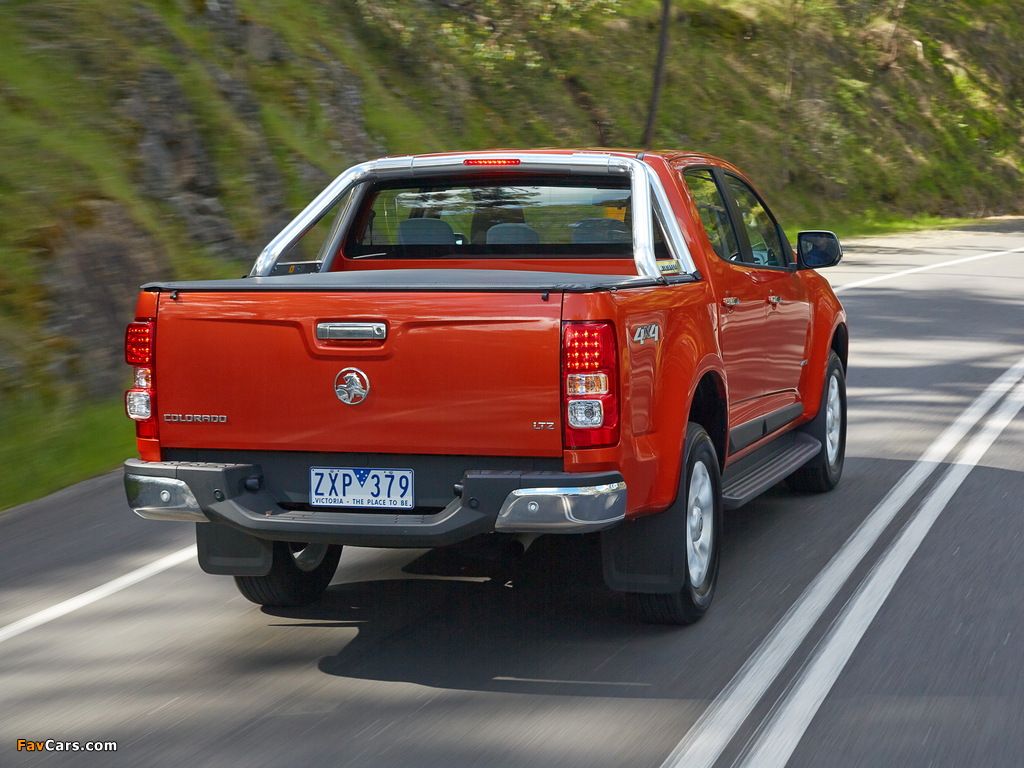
(700, 502)
(299, 575)
(822, 473)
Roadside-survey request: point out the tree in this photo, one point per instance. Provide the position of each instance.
(659, 73)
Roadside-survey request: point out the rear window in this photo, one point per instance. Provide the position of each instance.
(491, 217)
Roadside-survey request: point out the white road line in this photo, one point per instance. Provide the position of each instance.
(790, 719)
(100, 592)
(711, 734)
(894, 275)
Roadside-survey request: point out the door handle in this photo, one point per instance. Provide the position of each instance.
(351, 331)
(730, 301)
(774, 300)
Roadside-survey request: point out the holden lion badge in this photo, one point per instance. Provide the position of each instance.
(351, 386)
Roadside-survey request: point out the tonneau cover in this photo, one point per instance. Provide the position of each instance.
(422, 280)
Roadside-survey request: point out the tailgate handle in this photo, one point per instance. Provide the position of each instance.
(352, 331)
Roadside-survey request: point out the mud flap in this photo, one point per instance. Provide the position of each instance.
(227, 551)
(645, 555)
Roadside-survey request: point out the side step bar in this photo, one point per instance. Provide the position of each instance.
(762, 469)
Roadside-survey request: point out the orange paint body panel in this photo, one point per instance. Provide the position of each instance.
(456, 374)
(657, 388)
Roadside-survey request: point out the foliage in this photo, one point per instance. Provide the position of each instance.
(52, 440)
(848, 114)
(490, 32)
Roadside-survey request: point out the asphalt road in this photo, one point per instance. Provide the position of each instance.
(879, 625)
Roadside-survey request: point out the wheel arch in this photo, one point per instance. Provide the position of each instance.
(837, 341)
(840, 343)
(708, 407)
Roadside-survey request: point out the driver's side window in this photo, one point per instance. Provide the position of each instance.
(762, 231)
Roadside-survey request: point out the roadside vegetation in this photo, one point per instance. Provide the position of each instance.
(166, 138)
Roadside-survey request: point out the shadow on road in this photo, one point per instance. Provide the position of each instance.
(485, 619)
(543, 622)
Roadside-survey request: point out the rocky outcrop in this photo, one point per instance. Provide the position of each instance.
(100, 252)
(99, 262)
(174, 165)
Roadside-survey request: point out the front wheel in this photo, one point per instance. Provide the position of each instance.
(299, 575)
(700, 504)
(822, 473)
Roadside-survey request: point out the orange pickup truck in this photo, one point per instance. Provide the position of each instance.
(501, 344)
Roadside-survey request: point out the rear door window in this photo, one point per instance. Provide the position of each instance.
(714, 213)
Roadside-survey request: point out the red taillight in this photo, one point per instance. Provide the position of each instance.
(140, 400)
(492, 161)
(590, 384)
(588, 347)
(138, 343)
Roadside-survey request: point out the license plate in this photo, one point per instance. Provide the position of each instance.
(361, 487)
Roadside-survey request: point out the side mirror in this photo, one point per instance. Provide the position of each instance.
(818, 248)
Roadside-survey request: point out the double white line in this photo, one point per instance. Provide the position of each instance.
(784, 728)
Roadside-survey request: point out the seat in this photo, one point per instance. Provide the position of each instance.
(490, 212)
(601, 231)
(512, 234)
(425, 231)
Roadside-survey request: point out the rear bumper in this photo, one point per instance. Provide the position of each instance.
(482, 502)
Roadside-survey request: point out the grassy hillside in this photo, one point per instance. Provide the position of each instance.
(171, 138)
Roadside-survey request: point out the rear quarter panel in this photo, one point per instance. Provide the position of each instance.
(657, 382)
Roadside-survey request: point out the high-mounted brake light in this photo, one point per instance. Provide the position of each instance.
(590, 384)
(139, 401)
(492, 161)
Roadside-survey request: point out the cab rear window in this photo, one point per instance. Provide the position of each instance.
(492, 217)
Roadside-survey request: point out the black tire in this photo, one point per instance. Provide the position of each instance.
(299, 576)
(700, 503)
(822, 473)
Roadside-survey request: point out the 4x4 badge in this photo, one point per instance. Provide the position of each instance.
(351, 386)
(645, 332)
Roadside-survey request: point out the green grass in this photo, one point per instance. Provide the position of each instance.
(48, 446)
(832, 139)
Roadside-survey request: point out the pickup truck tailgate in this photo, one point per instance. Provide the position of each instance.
(455, 373)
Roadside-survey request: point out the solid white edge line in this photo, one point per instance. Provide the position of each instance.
(790, 719)
(704, 743)
(100, 592)
(894, 275)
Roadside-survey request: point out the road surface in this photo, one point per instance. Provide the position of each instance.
(878, 625)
